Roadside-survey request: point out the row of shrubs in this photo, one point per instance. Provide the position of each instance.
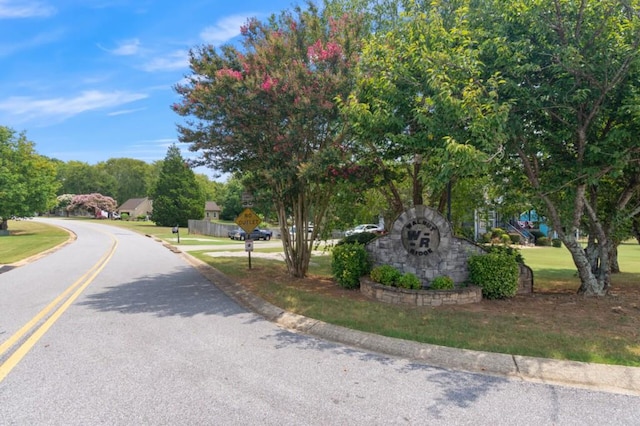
(500, 236)
(495, 272)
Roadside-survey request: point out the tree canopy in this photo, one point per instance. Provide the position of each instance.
(27, 180)
(270, 110)
(177, 196)
(421, 107)
(571, 70)
(93, 203)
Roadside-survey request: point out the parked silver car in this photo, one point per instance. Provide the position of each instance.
(365, 227)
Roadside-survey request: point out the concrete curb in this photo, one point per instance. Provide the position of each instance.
(600, 377)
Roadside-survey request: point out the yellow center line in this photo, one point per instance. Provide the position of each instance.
(17, 356)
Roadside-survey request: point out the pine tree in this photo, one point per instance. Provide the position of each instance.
(177, 196)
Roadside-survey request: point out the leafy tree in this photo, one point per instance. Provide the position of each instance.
(422, 112)
(231, 199)
(27, 180)
(64, 201)
(572, 71)
(131, 177)
(177, 196)
(210, 189)
(270, 110)
(92, 203)
(77, 177)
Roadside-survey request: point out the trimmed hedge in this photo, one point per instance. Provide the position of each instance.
(496, 273)
(410, 281)
(443, 282)
(385, 275)
(348, 263)
(390, 276)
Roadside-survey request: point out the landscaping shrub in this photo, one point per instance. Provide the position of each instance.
(385, 274)
(543, 241)
(510, 251)
(359, 238)
(497, 232)
(505, 238)
(515, 238)
(348, 263)
(124, 216)
(485, 238)
(410, 281)
(443, 282)
(556, 242)
(495, 273)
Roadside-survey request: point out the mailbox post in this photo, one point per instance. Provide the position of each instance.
(176, 230)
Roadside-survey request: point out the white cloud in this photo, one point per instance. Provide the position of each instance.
(125, 111)
(224, 30)
(27, 108)
(127, 48)
(24, 9)
(172, 61)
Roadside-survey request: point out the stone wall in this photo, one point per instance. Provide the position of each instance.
(421, 242)
(402, 296)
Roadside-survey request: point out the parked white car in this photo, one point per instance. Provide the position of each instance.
(365, 227)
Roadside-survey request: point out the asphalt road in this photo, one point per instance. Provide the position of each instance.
(117, 329)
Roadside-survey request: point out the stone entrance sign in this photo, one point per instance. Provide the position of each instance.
(421, 242)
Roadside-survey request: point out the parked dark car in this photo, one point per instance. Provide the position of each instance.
(256, 234)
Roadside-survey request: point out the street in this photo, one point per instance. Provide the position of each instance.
(116, 329)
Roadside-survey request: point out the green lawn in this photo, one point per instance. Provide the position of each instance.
(552, 323)
(554, 269)
(27, 238)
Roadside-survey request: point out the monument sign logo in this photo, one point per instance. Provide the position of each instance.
(420, 237)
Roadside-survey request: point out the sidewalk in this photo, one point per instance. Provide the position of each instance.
(599, 377)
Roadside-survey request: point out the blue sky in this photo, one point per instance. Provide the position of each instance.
(90, 80)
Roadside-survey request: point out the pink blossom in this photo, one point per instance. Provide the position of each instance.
(226, 72)
(318, 52)
(268, 83)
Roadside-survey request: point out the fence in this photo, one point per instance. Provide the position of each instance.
(204, 227)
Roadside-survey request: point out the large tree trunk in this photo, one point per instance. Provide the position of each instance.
(309, 205)
(590, 284)
(418, 186)
(614, 266)
(4, 225)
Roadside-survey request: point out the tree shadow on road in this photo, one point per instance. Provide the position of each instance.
(185, 293)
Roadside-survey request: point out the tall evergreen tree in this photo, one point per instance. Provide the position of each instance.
(177, 196)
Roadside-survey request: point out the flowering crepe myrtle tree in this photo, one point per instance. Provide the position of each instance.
(269, 111)
(92, 203)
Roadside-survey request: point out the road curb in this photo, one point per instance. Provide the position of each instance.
(600, 377)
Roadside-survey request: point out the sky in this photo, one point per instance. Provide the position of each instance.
(90, 80)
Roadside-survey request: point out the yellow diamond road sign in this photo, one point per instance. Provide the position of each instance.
(248, 220)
